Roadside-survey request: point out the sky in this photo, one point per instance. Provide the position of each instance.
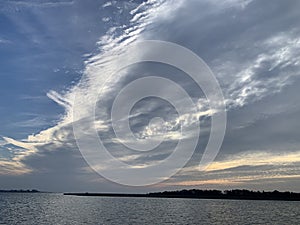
(55, 56)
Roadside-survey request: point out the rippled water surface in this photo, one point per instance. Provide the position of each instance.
(59, 209)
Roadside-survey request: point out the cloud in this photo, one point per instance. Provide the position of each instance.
(231, 182)
(35, 122)
(28, 148)
(143, 15)
(256, 159)
(61, 134)
(109, 3)
(268, 72)
(5, 41)
(13, 168)
(39, 3)
(252, 169)
(59, 99)
(253, 56)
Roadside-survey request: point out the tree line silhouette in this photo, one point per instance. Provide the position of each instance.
(208, 194)
(229, 194)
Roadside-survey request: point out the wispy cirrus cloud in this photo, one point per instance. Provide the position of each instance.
(270, 71)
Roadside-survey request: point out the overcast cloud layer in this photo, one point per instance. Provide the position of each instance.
(251, 46)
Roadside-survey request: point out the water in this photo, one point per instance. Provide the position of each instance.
(59, 209)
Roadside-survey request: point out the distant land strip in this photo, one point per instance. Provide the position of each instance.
(207, 194)
(20, 191)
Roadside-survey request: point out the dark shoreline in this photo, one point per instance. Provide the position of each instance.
(20, 191)
(206, 194)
